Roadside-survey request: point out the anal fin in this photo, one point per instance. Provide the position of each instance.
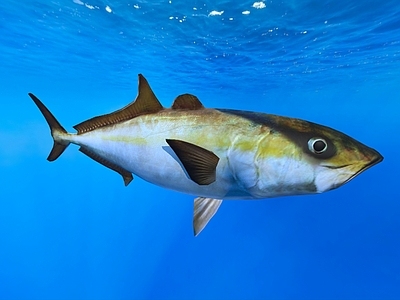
(126, 175)
(204, 210)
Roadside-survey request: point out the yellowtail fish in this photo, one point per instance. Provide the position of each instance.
(214, 154)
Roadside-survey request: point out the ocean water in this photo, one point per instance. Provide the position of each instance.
(71, 230)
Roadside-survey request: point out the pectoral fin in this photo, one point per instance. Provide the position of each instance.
(199, 163)
(204, 210)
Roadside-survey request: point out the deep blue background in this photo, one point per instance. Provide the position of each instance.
(71, 230)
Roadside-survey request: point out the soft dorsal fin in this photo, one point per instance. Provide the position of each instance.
(199, 163)
(187, 101)
(204, 210)
(145, 103)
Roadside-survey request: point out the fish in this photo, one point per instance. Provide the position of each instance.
(214, 154)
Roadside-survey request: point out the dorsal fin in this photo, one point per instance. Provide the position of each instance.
(145, 103)
(187, 101)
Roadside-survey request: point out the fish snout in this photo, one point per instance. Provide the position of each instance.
(374, 158)
(334, 174)
(371, 158)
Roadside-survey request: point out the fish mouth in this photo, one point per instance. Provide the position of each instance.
(378, 158)
(347, 172)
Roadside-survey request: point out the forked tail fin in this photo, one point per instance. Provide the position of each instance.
(57, 131)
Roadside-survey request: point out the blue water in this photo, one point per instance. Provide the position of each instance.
(71, 230)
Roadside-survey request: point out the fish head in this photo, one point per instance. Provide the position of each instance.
(348, 159)
(335, 157)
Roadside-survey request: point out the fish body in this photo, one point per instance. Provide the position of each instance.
(215, 154)
(140, 146)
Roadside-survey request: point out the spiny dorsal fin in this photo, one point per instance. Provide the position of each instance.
(199, 163)
(126, 175)
(146, 103)
(204, 210)
(187, 101)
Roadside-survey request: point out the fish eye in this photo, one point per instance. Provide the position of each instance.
(317, 145)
